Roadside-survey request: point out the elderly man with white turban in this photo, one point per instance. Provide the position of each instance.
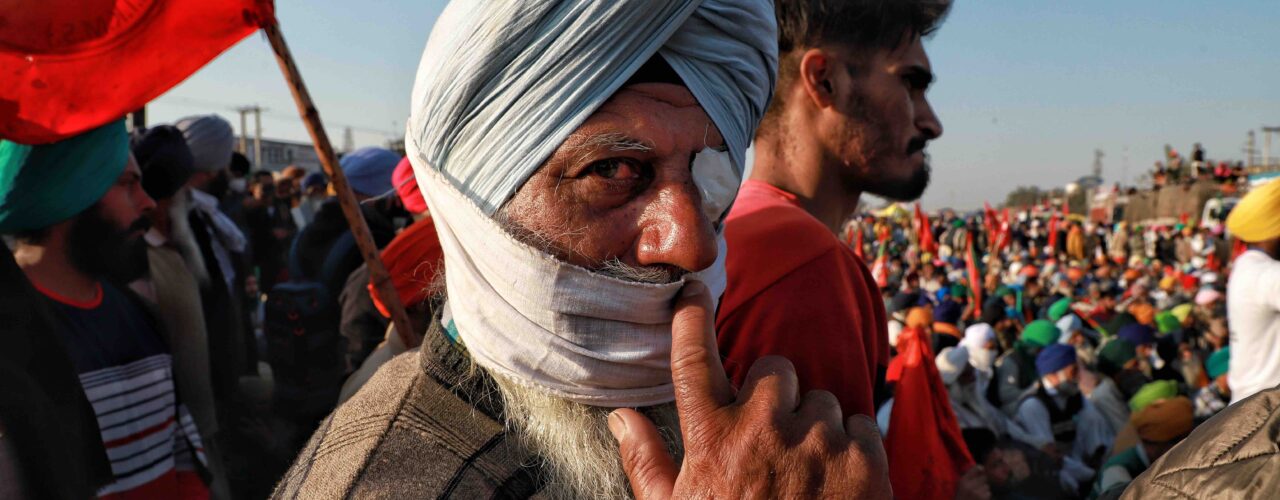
(578, 158)
(973, 411)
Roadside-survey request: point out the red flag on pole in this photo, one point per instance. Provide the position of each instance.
(925, 235)
(926, 451)
(880, 268)
(975, 278)
(857, 244)
(1053, 233)
(72, 65)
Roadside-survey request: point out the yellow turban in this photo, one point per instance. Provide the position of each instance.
(1164, 420)
(1257, 217)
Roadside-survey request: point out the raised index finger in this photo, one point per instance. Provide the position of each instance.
(700, 383)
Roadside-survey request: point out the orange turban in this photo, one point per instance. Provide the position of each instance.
(1164, 420)
(1144, 313)
(919, 317)
(413, 260)
(948, 329)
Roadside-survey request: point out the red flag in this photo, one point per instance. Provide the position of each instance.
(880, 269)
(926, 450)
(1066, 208)
(925, 236)
(1053, 233)
(857, 244)
(72, 65)
(1005, 236)
(975, 279)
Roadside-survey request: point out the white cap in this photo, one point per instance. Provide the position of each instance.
(951, 363)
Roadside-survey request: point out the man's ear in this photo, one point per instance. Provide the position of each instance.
(816, 66)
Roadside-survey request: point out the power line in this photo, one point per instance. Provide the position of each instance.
(206, 104)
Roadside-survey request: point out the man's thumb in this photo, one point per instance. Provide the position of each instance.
(644, 455)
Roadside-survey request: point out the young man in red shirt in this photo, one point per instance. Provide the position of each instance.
(849, 117)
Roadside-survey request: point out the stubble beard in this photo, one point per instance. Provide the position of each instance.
(865, 167)
(580, 457)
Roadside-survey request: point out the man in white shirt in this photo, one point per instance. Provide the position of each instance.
(1253, 294)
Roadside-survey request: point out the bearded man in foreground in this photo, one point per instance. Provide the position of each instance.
(578, 158)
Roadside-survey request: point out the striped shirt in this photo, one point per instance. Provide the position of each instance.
(127, 375)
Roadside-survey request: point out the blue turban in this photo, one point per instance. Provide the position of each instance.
(947, 312)
(46, 184)
(1055, 358)
(502, 87)
(369, 170)
(1138, 334)
(314, 179)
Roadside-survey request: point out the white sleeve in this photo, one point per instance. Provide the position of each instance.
(1033, 418)
(1114, 475)
(1269, 279)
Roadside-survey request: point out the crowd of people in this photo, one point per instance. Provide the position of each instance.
(1077, 351)
(1175, 169)
(605, 302)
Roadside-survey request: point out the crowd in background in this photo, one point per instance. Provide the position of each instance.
(1074, 353)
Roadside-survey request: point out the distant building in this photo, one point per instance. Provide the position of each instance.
(278, 154)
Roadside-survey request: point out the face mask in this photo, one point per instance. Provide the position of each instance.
(238, 185)
(1068, 388)
(571, 332)
(982, 359)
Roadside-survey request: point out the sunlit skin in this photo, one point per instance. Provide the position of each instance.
(597, 203)
(856, 121)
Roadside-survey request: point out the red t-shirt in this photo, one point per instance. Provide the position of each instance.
(796, 291)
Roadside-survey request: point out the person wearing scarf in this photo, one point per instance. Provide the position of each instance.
(577, 159)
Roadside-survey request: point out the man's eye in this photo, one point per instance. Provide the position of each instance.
(614, 169)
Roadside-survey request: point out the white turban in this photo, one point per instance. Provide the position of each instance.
(976, 337)
(210, 139)
(501, 85)
(506, 82)
(951, 363)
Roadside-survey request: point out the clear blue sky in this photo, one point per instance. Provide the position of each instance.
(1026, 89)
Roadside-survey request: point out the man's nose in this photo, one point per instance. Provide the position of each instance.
(143, 202)
(927, 121)
(675, 232)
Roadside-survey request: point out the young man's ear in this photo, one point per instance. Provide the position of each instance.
(816, 67)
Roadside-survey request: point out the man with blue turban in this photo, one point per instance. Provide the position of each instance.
(1056, 418)
(578, 158)
(78, 210)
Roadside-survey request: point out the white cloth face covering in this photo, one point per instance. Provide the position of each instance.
(566, 330)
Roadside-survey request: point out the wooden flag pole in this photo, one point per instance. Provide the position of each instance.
(350, 207)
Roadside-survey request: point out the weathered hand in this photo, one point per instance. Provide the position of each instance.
(761, 442)
(973, 485)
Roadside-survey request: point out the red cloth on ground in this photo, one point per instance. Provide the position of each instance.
(72, 65)
(922, 464)
(796, 291)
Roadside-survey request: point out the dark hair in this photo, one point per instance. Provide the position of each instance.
(861, 24)
(239, 164)
(980, 442)
(32, 236)
(857, 23)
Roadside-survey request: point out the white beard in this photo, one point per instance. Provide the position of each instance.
(581, 458)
